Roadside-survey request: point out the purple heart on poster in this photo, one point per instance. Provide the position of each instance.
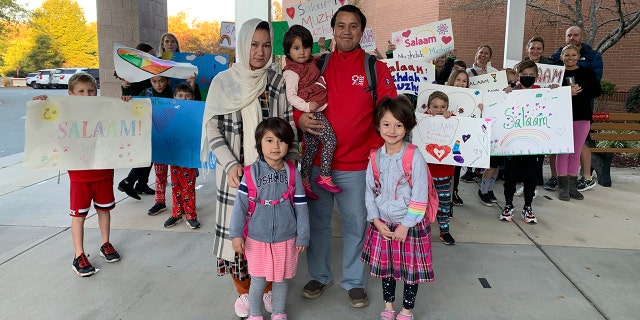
(466, 137)
(458, 159)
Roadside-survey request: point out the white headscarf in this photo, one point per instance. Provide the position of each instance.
(238, 89)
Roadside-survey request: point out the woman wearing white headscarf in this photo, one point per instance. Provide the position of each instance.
(238, 100)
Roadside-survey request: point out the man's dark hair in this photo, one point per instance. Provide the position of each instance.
(144, 47)
(352, 9)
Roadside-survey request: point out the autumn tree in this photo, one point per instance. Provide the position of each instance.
(43, 54)
(63, 21)
(15, 46)
(195, 35)
(612, 19)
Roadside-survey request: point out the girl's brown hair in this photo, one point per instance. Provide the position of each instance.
(401, 109)
(278, 127)
(454, 74)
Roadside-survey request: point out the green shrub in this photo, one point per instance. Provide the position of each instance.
(633, 100)
(619, 144)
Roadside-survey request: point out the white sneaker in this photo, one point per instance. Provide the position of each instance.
(268, 305)
(242, 306)
(535, 193)
(519, 190)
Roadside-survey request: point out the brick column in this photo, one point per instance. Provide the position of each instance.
(127, 22)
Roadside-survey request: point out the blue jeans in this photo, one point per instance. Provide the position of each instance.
(354, 221)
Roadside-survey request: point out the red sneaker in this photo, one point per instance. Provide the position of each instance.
(308, 192)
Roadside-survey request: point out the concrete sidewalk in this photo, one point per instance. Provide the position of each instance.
(579, 262)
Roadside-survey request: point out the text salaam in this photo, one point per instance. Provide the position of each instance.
(522, 120)
(86, 129)
(419, 41)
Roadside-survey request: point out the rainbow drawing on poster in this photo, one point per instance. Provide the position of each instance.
(143, 61)
(225, 37)
(525, 136)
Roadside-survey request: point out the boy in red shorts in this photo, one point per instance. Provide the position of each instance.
(88, 185)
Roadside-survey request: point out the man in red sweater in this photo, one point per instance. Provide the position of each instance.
(350, 112)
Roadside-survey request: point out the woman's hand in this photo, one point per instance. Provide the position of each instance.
(400, 234)
(575, 89)
(40, 97)
(383, 229)
(125, 84)
(553, 86)
(238, 245)
(308, 123)
(125, 98)
(300, 248)
(234, 176)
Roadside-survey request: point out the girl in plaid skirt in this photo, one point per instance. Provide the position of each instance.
(398, 239)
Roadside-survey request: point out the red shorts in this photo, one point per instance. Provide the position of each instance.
(82, 193)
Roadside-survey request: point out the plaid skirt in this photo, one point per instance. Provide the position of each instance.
(409, 261)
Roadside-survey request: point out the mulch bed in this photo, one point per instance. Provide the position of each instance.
(624, 160)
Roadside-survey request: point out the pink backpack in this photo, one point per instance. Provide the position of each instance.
(407, 159)
(252, 192)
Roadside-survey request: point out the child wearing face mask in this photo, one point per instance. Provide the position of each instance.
(521, 168)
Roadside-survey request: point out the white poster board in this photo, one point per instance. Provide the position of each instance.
(368, 40)
(79, 133)
(227, 34)
(408, 74)
(463, 102)
(425, 42)
(134, 65)
(314, 15)
(530, 121)
(549, 74)
(490, 82)
(458, 141)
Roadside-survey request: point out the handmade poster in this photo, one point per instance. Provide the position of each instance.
(463, 102)
(279, 28)
(314, 15)
(227, 34)
(530, 121)
(458, 141)
(490, 82)
(208, 66)
(177, 128)
(549, 74)
(408, 74)
(368, 40)
(81, 133)
(425, 42)
(134, 65)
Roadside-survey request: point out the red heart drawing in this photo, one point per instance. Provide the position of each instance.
(447, 39)
(291, 11)
(437, 151)
(406, 33)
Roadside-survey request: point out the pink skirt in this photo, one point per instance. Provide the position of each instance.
(273, 261)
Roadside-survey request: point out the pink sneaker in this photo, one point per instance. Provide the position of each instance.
(255, 318)
(279, 316)
(387, 315)
(242, 306)
(268, 305)
(327, 184)
(308, 192)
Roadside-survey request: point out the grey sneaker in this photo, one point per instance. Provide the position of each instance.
(551, 184)
(358, 298)
(584, 184)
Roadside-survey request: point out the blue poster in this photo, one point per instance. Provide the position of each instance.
(176, 132)
(209, 65)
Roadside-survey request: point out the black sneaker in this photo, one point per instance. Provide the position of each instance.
(447, 238)
(127, 188)
(457, 201)
(157, 208)
(584, 184)
(468, 178)
(82, 266)
(172, 221)
(466, 175)
(109, 253)
(551, 184)
(193, 223)
(485, 199)
(358, 298)
(314, 288)
(492, 197)
(144, 189)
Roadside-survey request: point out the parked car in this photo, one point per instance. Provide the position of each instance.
(61, 77)
(44, 79)
(31, 79)
(94, 72)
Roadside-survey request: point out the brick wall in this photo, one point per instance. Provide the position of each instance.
(472, 29)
